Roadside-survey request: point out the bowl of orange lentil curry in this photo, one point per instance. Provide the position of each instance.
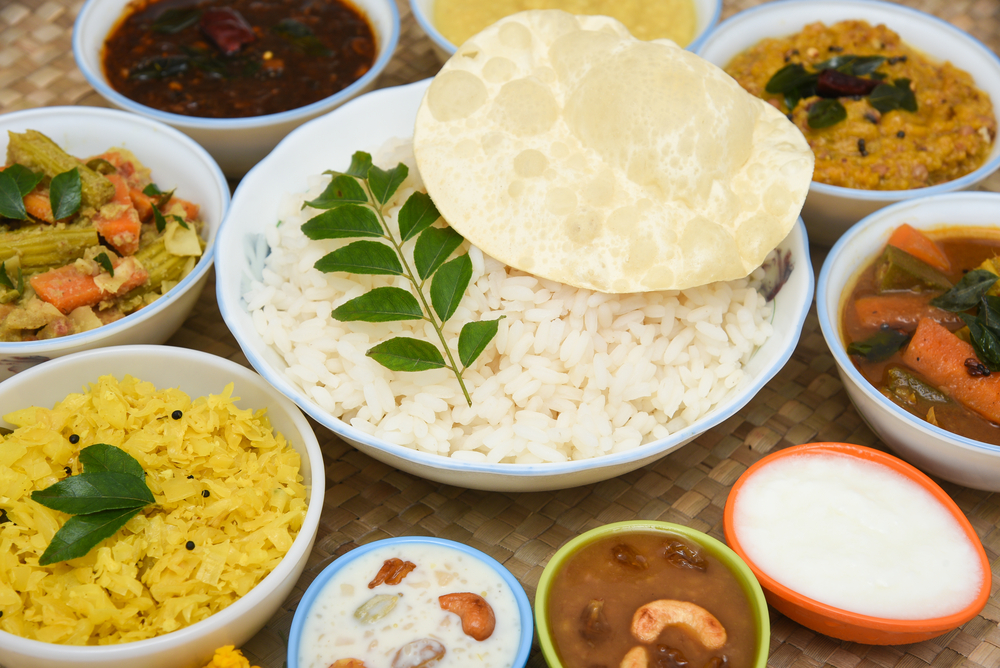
(895, 103)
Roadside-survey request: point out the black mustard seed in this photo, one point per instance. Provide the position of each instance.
(900, 134)
(177, 415)
(189, 545)
(74, 439)
(205, 493)
(861, 148)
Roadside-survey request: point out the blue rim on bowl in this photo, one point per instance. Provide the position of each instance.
(147, 312)
(317, 585)
(831, 331)
(961, 183)
(105, 90)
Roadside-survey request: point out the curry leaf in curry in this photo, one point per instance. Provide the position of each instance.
(25, 179)
(176, 19)
(897, 95)
(880, 346)
(65, 193)
(11, 199)
(301, 36)
(984, 341)
(354, 203)
(5, 277)
(967, 292)
(105, 262)
(825, 113)
(110, 491)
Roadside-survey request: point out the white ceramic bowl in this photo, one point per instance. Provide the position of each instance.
(312, 593)
(938, 452)
(707, 14)
(365, 124)
(237, 143)
(197, 374)
(175, 160)
(830, 210)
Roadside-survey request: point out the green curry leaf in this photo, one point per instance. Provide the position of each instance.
(879, 346)
(11, 199)
(386, 304)
(102, 457)
(407, 354)
(82, 533)
(825, 113)
(362, 257)
(474, 338)
(967, 292)
(65, 194)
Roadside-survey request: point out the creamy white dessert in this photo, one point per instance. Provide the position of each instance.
(401, 633)
(858, 536)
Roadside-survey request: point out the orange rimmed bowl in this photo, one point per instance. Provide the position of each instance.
(837, 622)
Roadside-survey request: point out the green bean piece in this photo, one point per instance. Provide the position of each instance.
(46, 246)
(39, 153)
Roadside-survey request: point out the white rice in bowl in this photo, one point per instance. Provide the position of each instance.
(571, 374)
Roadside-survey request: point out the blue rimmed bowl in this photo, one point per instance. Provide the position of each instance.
(236, 143)
(707, 13)
(938, 452)
(365, 124)
(310, 598)
(175, 160)
(830, 210)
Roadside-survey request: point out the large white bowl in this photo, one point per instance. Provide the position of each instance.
(830, 210)
(175, 160)
(197, 374)
(365, 124)
(938, 452)
(237, 143)
(707, 13)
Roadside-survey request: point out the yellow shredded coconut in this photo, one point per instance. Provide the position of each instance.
(229, 657)
(143, 581)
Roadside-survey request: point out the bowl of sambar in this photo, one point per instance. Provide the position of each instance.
(631, 593)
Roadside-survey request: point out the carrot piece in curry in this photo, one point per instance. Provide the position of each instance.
(68, 288)
(920, 246)
(118, 221)
(902, 311)
(940, 357)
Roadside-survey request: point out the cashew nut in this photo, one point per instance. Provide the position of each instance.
(477, 616)
(347, 663)
(636, 658)
(650, 620)
(419, 654)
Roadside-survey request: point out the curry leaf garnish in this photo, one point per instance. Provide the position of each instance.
(25, 179)
(879, 346)
(11, 199)
(152, 190)
(897, 95)
(789, 78)
(64, 194)
(81, 533)
(301, 36)
(825, 113)
(102, 457)
(984, 341)
(967, 292)
(4, 277)
(105, 262)
(161, 222)
(354, 205)
(110, 491)
(176, 19)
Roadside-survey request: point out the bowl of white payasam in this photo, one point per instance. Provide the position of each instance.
(448, 23)
(857, 544)
(248, 290)
(412, 600)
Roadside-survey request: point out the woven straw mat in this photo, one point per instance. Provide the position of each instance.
(367, 500)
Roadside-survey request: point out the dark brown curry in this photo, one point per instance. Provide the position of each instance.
(596, 594)
(237, 58)
(888, 306)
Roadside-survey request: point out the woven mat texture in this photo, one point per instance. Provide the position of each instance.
(367, 500)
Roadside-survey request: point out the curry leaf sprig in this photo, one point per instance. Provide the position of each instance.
(111, 490)
(984, 327)
(353, 204)
(5, 279)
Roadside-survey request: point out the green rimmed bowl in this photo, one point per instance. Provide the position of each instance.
(744, 576)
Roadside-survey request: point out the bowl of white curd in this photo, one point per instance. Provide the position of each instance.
(857, 544)
(412, 601)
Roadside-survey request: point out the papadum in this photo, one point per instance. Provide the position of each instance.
(564, 147)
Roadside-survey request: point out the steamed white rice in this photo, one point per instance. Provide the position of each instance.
(571, 374)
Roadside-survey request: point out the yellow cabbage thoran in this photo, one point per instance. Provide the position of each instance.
(229, 503)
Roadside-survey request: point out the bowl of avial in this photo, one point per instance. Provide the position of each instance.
(836, 534)
(212, 486)
(569, 372)
(896, 103)
(449, 23)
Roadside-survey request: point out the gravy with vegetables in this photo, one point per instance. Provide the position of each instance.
(922, 325)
